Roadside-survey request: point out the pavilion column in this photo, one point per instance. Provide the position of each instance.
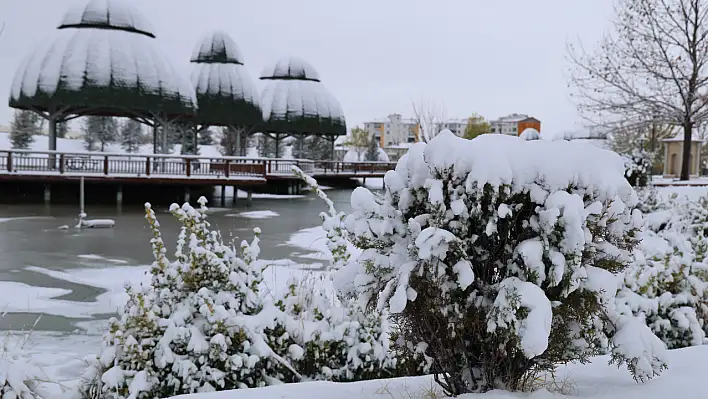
(277, 145)
(154, 137)
(238, 142)
(301, 144)
(52, 122)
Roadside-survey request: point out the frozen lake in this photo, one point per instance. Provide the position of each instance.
(75, 278)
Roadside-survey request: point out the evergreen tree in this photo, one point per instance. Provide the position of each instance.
(186, 132)
(300, 149)
(168, 136)
(206, 137)
(318, 148)
(266, 146)
(234, 141)
(131, 133)
(62, 129)
(99, 131)
(24, 127)
(372, 151)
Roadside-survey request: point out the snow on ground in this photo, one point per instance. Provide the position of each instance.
(254, 214)
(598, 380)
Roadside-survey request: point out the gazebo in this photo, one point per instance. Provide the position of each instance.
(295, 102)
(103, 61)
(226, 95)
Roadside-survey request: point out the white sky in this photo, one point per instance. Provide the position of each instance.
(493, 57)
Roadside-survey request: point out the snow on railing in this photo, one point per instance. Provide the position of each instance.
(181, 166)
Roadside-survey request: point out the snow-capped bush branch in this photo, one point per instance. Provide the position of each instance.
(202, 325)
(503, 257)
(667, 285)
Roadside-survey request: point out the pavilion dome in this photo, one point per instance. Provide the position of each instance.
(294, 100)
(107, 14)
(226, 94)
(103, 60)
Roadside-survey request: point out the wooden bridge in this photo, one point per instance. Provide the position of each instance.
(53, 167)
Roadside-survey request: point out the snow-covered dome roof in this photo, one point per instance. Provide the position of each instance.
(291, 68)
(530, 134)
(115, 14)
(226, 94)
(295, 101)
(217, 47)
(103, 60)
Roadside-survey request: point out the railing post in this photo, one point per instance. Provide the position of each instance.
(269, 166)
(147, 166)
(9, 161)
(105, 165)
(227, 168)
(189, 167)
(61, 163)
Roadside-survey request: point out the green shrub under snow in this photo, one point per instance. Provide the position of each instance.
(202, 325)
(503, 257)
(667, 285)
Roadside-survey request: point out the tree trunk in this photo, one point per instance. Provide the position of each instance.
(686, 161)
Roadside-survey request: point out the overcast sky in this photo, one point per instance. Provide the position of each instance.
(493, 57)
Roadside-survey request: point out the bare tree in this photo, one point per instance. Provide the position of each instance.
(429, 115)
(652, 67)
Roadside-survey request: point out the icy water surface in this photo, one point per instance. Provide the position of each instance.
(74, 276)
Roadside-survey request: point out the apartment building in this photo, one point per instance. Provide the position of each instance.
(456, 126)
(393, 130)
(514, 124)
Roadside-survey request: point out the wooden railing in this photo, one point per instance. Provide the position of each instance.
(174, 166)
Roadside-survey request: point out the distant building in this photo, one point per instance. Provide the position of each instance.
(456, 126)
(514, 124)
(393, 130)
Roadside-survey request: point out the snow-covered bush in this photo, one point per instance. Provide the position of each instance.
(199, 326)
(503, 257)
(668, 288)
(667, 285)
(18, 376)
(637, 168)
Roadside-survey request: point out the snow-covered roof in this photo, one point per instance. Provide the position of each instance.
(680, 136)
(95, 67)
(226, 94)
(217, 47)
(291, 68)
(115, 14)
(510, 118)
(530, 134)
(295, 101)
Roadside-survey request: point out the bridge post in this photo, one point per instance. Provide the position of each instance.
(223, 196)
(119, 196)
(249, 199)
(186, 194)
(47, 194)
